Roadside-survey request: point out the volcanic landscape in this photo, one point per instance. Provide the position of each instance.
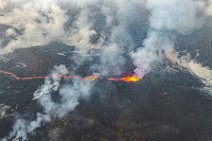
(105, 70)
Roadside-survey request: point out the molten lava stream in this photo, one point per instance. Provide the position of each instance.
(127, 79)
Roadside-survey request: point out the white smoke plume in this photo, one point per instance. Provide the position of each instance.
(197, 69)
(19, 131)
(80, 36)
(37, 23)
(206, 6)
(166, 17)
(51, 84)
(2, 4)
(34, 23)
(22, 128)
(70, 95)
(4, 111)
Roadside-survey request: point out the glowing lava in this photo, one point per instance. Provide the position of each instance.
(127, 79)
(132, 78)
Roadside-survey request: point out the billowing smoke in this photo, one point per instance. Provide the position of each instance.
(22, 128)
(166, 18)
(19, 131)
(4, 111)
(100, 25)
(84, 25)
(70, 94)
(169, 18)
(197, 69)
(145, 29)
(31, 23)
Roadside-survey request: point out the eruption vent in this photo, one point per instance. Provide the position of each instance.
(127, 79)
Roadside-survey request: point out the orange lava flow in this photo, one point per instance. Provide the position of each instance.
(127, 79)
(132, 78)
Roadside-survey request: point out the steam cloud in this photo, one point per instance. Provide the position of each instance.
(74, 23)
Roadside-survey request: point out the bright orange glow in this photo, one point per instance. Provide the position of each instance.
(132, 78)
(127, 79)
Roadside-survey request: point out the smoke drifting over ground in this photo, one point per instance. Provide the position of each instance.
(102, 25)
(203, 73)
(144, 30)
(70, 94)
